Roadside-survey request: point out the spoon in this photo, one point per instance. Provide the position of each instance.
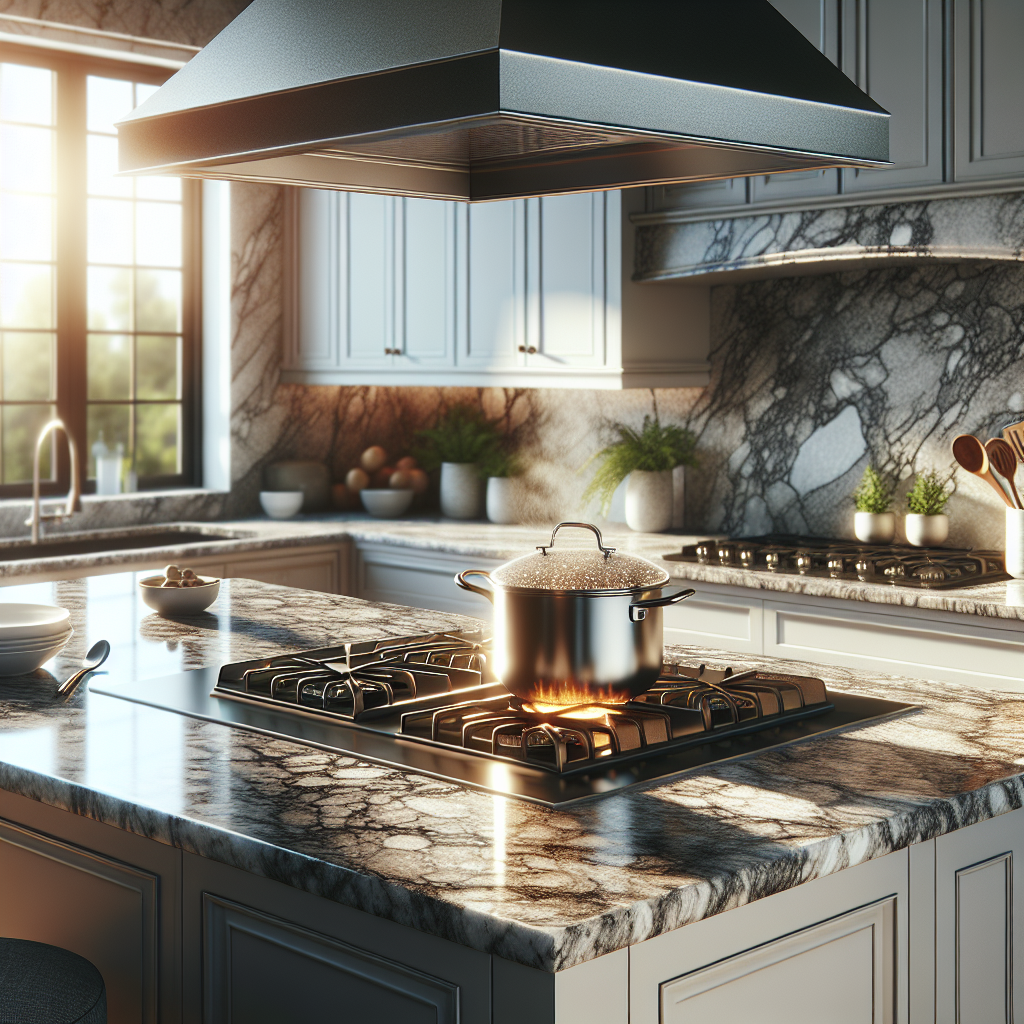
(96, 656)
(1004, 462)
(970, 453)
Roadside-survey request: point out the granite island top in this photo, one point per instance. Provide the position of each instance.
(490, 541)
(543, 887)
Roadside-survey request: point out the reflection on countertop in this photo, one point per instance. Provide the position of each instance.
(547, 888)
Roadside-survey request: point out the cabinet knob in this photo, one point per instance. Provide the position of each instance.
(522, 348)
(532, 350)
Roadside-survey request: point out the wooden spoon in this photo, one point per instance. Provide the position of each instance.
(1004, 462)
(970, 454)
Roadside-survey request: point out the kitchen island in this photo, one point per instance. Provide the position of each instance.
(516, 908)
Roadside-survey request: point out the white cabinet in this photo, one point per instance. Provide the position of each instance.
(523, 293)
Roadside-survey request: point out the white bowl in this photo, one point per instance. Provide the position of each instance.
(31, 620)
(281, 504)
(179, 600)
(22, 662)
(38, 644)
(385, 503)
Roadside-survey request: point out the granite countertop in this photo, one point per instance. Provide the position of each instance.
(543, 887)
(1003, 601)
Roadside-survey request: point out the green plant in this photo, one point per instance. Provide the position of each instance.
(874, 493)
(462, 434)
(500, 461)
(928, 496)
(654, 448)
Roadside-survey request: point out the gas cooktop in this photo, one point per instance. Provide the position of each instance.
(899, 565)
(431, 704)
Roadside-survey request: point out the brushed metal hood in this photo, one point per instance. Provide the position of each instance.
(496, 99)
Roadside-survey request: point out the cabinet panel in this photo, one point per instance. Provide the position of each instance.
(425, 280)
(699, 195)
(314, 279)
(317, 570)
(979, 968)
(367, 279)
(893, 51)
(261, 969)
(988, 89)
(847, 964)
(496, 293)
(94, 906)
(567, 289)
(710, 620)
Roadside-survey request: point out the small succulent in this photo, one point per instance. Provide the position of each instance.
(874, 493)
(929, 495)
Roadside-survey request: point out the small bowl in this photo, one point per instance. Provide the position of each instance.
(21, 662)
(385, 503)
(174, 601)
(31, 621)
(281, 504)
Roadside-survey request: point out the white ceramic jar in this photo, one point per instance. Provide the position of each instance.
(874, 527)
(926, 531)
(501, 500)
(462, 490)
(649, 501)
(1015, 542)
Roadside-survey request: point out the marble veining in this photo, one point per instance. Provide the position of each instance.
(547, 888)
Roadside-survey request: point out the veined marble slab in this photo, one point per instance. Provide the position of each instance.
(546, 888)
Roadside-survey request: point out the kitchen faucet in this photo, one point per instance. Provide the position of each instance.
(74, 502)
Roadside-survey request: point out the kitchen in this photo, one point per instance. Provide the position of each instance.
(818, 322)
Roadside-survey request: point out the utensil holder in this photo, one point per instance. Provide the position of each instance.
(1015, 542)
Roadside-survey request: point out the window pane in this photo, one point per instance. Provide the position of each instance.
(157, 367)
(158, 300)
(107, 101)
(143, 91)
(110, 231)
(109, 299)
(157, 186)
(21, 426)
(158, 234)
(26, 227)
(26, 158)
(102, 160)
(28, 365)
(156, 437)
(109, 367)
(110, 420)
(26, 94)
(26, 295)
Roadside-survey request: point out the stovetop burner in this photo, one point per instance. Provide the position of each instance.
(431, 704)
(897, 564)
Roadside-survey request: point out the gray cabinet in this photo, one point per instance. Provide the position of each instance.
(988, 90)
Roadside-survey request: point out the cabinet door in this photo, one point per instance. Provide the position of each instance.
(721, 194)
(819, 22)
(566, 281)
(366, 279)
(892, 49)
(495, 324)
(988, 90)
(425, 283)
(979, 968)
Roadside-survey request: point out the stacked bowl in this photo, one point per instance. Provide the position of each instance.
(30, 635)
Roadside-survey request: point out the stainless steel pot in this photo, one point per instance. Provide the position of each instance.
(576, 626)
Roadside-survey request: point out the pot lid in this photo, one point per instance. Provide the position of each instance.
(586, 570)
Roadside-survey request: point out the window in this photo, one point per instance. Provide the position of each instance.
(98, 279)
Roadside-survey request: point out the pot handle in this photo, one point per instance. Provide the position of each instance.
(460, 580)
(638, 609)
(543, 548)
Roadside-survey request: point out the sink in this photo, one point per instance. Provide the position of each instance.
(111, 540)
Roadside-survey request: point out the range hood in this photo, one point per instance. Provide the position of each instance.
(497, 99)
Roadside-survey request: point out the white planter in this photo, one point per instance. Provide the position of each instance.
(926, 531)
(874, 527)
(462, 490)
(1015, 543)
(501, 500)
(649, 501)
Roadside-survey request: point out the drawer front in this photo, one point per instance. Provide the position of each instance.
(710, 620)
(975, 655)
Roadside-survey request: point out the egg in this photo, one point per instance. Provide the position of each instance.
(373, 458)
(357, 479)
(420, 482)
(400, 480)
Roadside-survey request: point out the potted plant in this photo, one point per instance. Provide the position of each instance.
(461, 441)
(927, 523)
(501, 467)
(647, 457)
(874, 522)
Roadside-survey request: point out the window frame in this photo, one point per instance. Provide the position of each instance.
(72, 70)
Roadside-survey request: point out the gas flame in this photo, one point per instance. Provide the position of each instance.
(553, 696)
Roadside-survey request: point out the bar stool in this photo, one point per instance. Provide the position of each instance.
(41, 984)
